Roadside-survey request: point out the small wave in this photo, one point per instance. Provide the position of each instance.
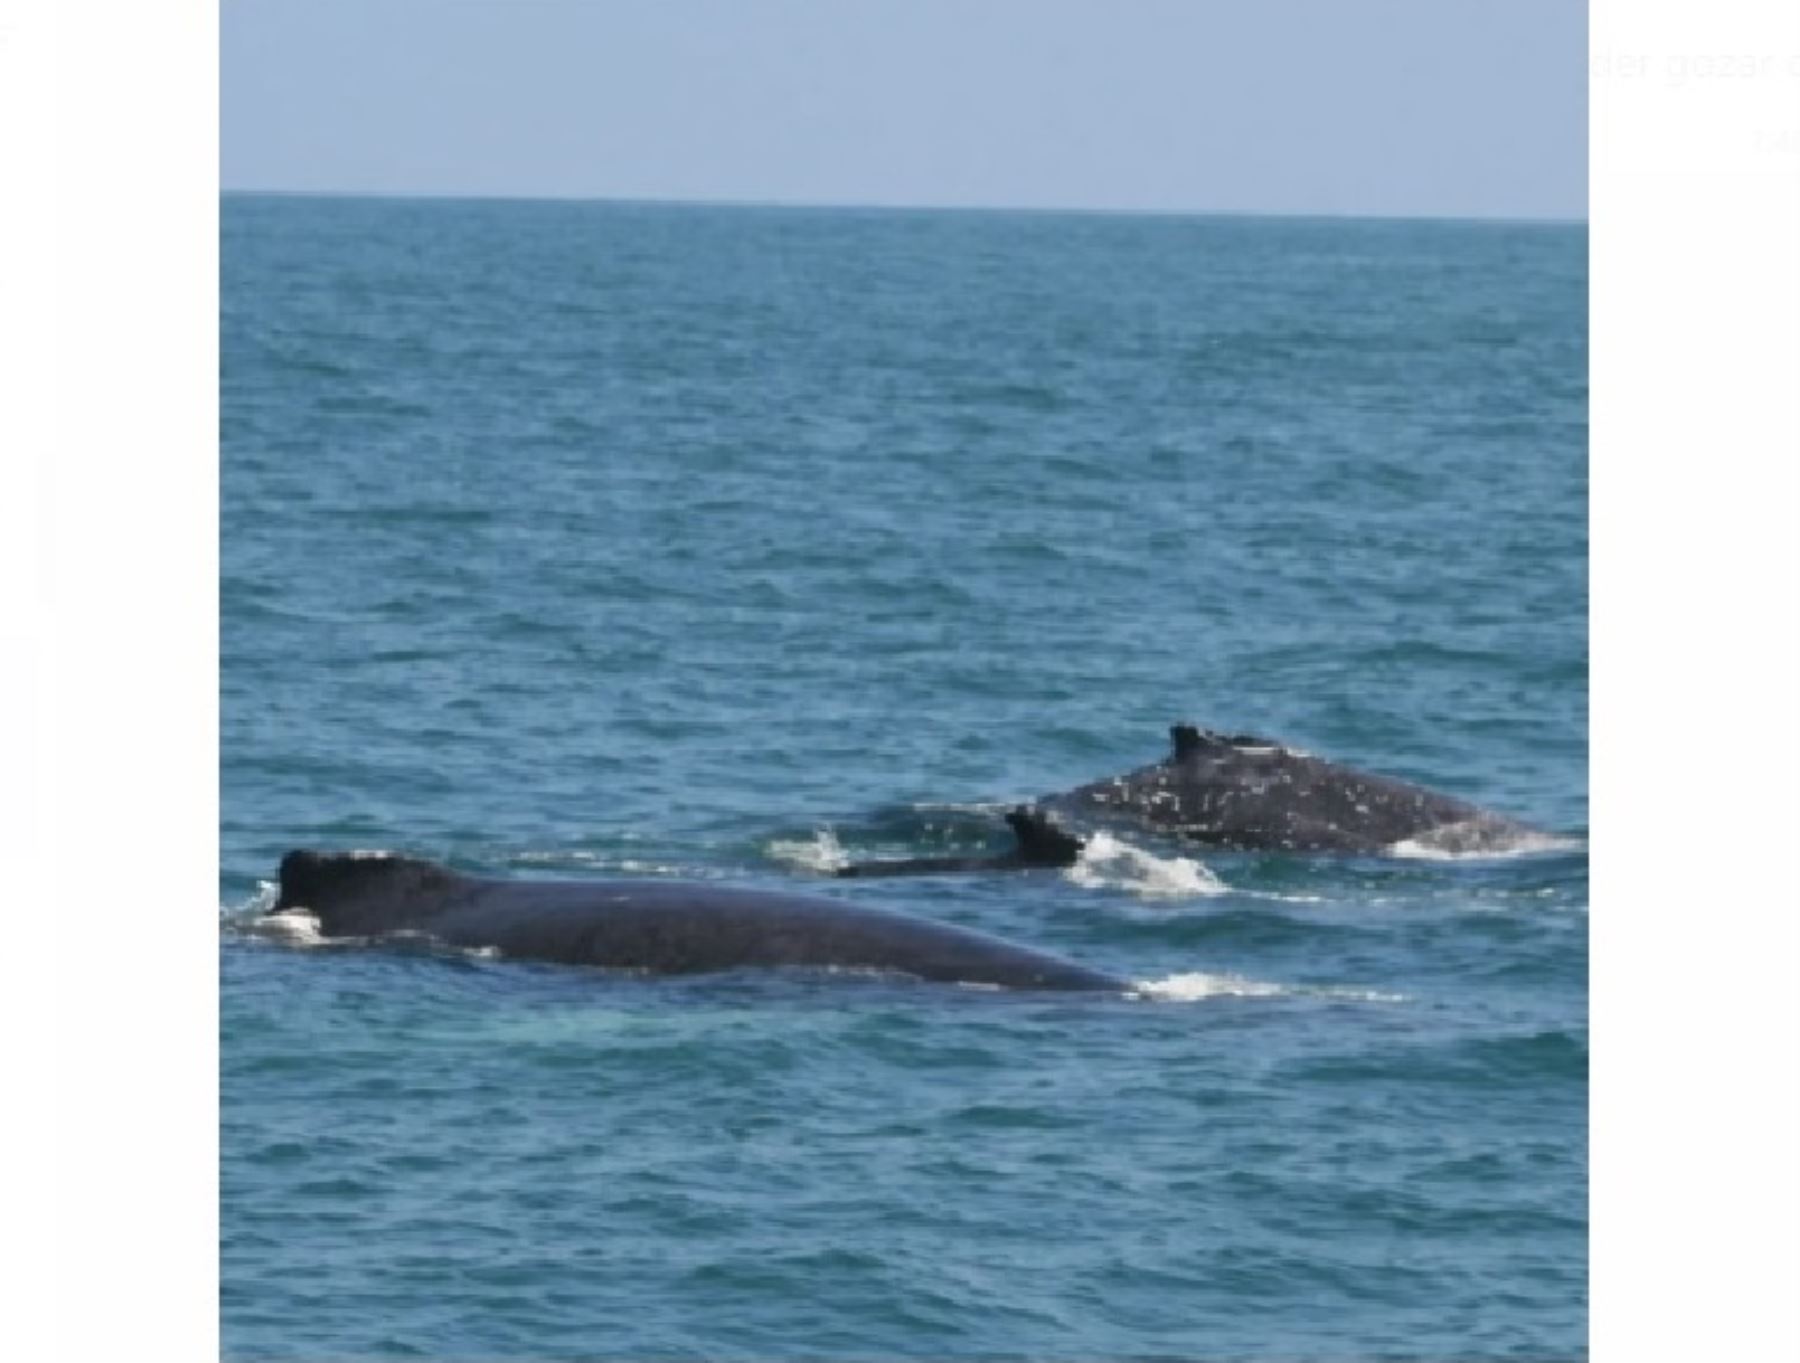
(1108, 863)
(1197, 984)
(636, 866)
(1191, 986)
(266, 897)
(821, 853)
(980, 808)
(1477, 841)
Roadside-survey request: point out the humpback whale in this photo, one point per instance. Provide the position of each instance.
(1242, 792)
(1237, 792)
(655, 927)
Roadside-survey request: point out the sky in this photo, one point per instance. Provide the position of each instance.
(1438, 108)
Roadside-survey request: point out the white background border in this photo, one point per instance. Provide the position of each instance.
(108, 439)
(1695, 421)
(109, 631)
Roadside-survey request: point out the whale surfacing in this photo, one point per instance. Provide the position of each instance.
(654, 927)
(1255, 794)
(1239, 792)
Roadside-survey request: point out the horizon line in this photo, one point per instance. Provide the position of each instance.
(665, 201)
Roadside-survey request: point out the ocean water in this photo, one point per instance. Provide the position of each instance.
(725, 543)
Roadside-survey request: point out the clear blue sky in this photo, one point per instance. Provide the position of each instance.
(1462, 108)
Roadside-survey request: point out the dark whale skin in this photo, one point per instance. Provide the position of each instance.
(656, 926)
(1255, 794)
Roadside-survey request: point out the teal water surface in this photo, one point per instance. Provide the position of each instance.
(599, 539)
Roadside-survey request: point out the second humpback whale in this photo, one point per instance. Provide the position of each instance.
(1255, 794)
(655, 926)
(1244, 793)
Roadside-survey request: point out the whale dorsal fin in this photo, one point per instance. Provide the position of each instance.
(1190, 738)
(1041, 842)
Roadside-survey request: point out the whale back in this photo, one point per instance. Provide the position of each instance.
(663, 927)
(1242, 791)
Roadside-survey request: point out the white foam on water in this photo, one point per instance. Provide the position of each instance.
(267, 896)
(1473, 842)
(1276, 897)
(1350, 994)
(1198, 984)
(291, 927)
(1108, 863)
(1191, 986)
(822, 853)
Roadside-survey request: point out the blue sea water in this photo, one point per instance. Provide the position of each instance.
(597, 539)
